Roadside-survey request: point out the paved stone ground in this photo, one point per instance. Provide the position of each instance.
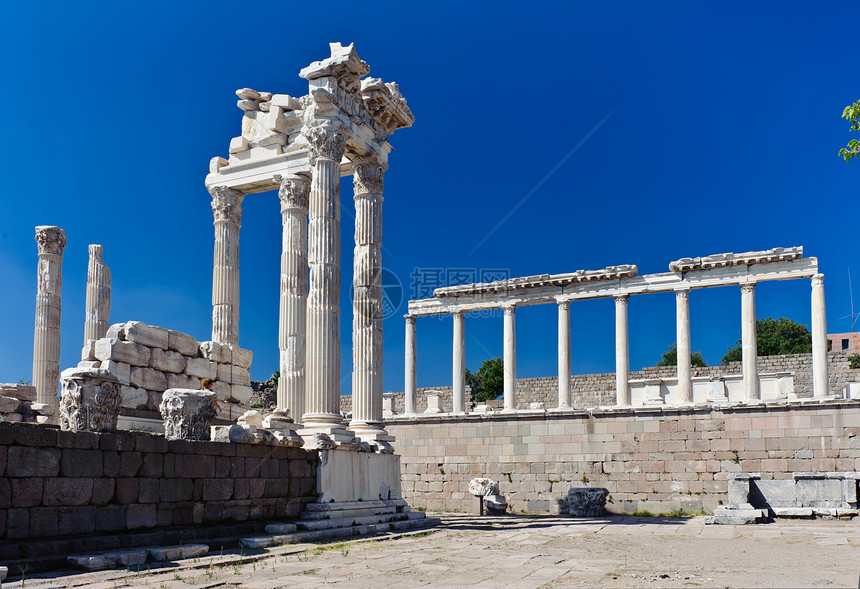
(519, 551)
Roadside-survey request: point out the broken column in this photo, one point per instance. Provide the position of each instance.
(293, 193)
(97, 319)
(46, 338)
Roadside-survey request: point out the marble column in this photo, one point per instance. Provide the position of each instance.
(749, 348)
(227, 209)
(683, 349)
(510, 357)
(459, 361)
(411, 368)
(293, 194)
(622, 352)
(820, 376)
(46, 337)
(322, 359)
(563, 354)
(367, 310)
(97, 313)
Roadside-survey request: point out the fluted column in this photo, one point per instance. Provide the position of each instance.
(46, 336)
(459, 367)
(563, 354)
(97, 313)
(749, 348)
(510, 357)
(367, 301)
(293, 194)
(227, 208)
(322, 359)
(622, 352)
(820, 376)
(683, 348)
(411, 368)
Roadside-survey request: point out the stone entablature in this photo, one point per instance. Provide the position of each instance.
(777, 254)
(147, 360)
(529, 282)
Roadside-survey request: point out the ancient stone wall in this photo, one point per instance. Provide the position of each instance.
(147, 360)
(594, 390)
(652, 459)
(56, 484)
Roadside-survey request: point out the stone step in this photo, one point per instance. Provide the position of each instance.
(342, 513)
(343, 532)
(342, 522)
(334, 506)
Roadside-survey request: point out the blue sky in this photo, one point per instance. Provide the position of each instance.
(722, 135)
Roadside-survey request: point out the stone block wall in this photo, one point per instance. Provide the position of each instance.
(18, 404)
(654, 459)
(594, 390)
(147, 360)
(56, 484)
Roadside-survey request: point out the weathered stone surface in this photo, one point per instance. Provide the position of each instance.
(586, 502)
(168, 553)
(3, 572)
(97, 562)
(182, 381)
(121, 351)
(201, 368)
(121, 370)
(44, 521)
(116, 331)
(216, 352)
(182, 343)
(148, 378)
(241, 393)
(251, 417)
(729, 516)
(67, 491)
(42, 409)
(167, 361)
(24, 492)
(133, 397)
(82, 463)
(147, 335)
(19, 391)
(187, 414)
(241, 358)
(140, 516)
(481, 487)
(24, 461)
(76, 520)
(8, 404)
(240, 376)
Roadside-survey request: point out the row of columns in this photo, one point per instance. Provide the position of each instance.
(622, 350)
(309, 306)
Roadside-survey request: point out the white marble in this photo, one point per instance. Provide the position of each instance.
(459, 363)
(683, 349)
(227, 210)
(749, 350)
(622, 352)
(46, 338)
(563, 354)
(411, 365)
(820, 370)
(97, 318)
(510, 357)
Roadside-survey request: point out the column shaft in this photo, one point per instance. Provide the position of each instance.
(293, 194)
(459, 362)
(510, 358)
(683, 348)
(367, 310)
(749, 348)
(97, 313)
(411, 368)
(227, 208)
(820, 376)
(563, 354)
(622, 352)
(46, 336)
(322, 368)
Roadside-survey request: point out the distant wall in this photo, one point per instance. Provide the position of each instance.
(593, 390)
(54, 484)
(654, 459)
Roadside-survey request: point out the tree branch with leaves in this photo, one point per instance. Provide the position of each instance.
(852, 114)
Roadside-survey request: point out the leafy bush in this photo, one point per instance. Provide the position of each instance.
(670, 358)
(489, 382)
(775, 337)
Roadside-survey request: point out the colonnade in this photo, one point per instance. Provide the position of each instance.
(309, 305)
(751, 391)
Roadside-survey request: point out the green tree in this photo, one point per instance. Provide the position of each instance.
(852, 115)
(670, 358)
(775, 337)
(488, 382)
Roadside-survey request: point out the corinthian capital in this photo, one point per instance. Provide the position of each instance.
(50, 239)
(748, 287)
(226, 204)
(368, 177)
(326, 142)
(294, 191)
(818, 280)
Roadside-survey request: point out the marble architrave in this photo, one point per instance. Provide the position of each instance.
(46, 337)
